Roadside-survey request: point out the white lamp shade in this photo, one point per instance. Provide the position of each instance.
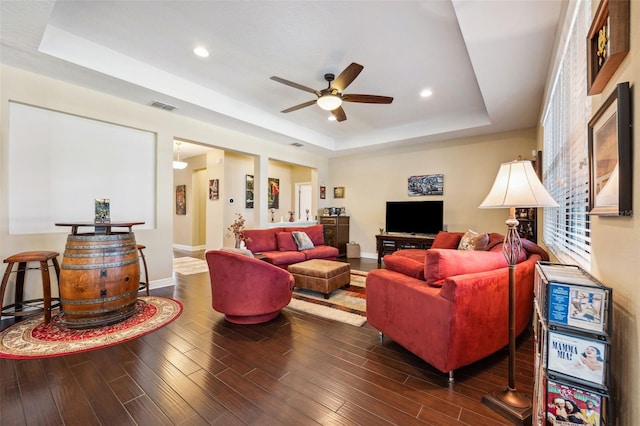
(517, 185)
(329, 102)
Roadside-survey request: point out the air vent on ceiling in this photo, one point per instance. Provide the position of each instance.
(162, 105)
(297, 144)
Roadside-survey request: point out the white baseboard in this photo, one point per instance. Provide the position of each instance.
(189, 248)
(165, 282)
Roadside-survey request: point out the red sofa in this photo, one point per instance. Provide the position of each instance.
(279, 248)
(449, 306)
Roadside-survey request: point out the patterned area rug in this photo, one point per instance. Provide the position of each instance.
(31, 338)
(346, 305)
(189, 265)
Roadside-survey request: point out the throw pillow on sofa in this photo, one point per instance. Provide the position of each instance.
(302, 240)
(472, 240)
(404, 265)
(447, 240)
(443, 263)
(286, 241)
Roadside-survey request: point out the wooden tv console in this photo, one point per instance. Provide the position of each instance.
(388, 243)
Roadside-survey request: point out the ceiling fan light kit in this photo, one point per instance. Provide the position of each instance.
(329, 102)
(331, 98)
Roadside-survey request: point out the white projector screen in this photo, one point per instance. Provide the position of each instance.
(60, 163)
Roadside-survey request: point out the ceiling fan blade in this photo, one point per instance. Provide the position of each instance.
(297, 107)
(296, 85)
(346, 77)
(339, 114)
(368, 99)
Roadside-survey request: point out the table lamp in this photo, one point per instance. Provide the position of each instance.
(516, 185)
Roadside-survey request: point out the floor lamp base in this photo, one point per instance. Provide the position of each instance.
(510, 404)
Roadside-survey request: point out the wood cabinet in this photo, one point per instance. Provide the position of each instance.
(388, 243)
(528, 226)
(336, 232)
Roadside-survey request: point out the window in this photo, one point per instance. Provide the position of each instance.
(566, 165)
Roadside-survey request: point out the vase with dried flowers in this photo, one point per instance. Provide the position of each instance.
(237, 230)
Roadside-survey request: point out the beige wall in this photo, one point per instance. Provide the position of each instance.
(615, 256)
(44, 92)
(469, 167)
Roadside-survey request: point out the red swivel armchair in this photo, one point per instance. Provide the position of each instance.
(247, 290)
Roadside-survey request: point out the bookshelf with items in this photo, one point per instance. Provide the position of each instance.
(528, 223)
(572, 328)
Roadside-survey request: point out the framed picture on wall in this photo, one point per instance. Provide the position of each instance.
(608, 43)
(426, 185)
(273, 195)
(249, 192)
(181, 200)
(214, 191)
(338, 192)
(610, 171)
(323, 192)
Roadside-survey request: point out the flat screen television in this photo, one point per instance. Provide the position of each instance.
(415, 217)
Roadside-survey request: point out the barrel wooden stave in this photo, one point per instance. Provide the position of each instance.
(99, 279)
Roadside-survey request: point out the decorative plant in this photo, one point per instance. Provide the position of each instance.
(237, 230)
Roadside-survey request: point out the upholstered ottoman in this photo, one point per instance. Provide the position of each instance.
(321, 275)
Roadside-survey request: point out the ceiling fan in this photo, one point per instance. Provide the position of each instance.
(331, 98)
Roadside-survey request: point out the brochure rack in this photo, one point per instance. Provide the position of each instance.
(572, 326)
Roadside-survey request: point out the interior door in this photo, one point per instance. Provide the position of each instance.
(303, 201)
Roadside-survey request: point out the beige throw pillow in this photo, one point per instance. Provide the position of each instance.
(472, 240)
(302, 240)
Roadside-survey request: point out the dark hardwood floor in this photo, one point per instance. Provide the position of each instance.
(296, 370)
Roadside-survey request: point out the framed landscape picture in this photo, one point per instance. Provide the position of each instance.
(426, 185)
(610, 156)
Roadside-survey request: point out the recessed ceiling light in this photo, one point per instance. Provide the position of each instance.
(201, 51)
(331, 118)
(426, 93)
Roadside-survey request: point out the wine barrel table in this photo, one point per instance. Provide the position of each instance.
(99, 275)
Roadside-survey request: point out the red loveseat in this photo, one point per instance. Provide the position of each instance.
(279, 248)
(449, 306)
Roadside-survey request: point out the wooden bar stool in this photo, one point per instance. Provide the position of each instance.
(35, 306)
(144, 285)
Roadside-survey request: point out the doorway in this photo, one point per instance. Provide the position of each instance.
(303, 201)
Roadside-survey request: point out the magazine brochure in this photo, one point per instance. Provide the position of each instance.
(577, 306)
(568, 405)
(578, 357)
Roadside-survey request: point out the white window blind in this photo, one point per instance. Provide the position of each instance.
(566, 164)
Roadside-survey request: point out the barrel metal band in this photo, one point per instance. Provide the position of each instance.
(94, 301)
(99, 266)
(98, 237)
(97, 246)
(101, 254)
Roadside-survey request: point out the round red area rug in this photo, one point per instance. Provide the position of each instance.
(33, 339)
